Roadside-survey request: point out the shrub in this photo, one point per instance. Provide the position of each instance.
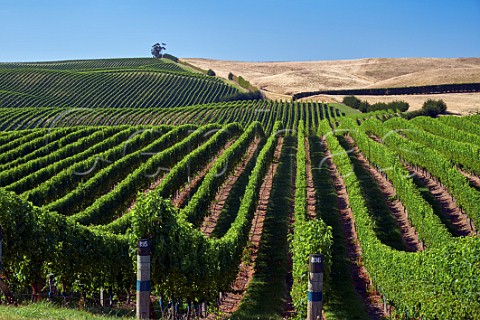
(433, 108)
(243, 83)
(400, 105)
(230, 76)
(253, 95)
(211, 73)
(364, 106)
(351, 101)
(170, 57)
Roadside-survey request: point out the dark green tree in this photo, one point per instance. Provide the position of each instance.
(352, 101)
(433, 108)
(157, 49)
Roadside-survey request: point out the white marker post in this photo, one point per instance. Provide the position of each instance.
(315, 287)
(143, 279)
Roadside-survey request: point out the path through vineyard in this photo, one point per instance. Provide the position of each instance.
(398, 211)
(456, 219)
(231, 300)
(371, 299)
(217, 205)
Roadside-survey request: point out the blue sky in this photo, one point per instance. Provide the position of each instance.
(262, 30)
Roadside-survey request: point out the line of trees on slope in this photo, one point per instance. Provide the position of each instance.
(431, 107)
(365, 106)
(430, 89)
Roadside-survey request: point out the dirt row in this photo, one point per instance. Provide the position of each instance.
(396, 207)
(230, 301)
(460, 222)
(371, 298)
(216, 207)
(182, 196)
(473, 179)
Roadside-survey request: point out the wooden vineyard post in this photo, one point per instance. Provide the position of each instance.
(143, 279)
(315, 286)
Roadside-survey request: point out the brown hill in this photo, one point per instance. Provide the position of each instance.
(282, 79)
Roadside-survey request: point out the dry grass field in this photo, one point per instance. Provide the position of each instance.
(281, 79)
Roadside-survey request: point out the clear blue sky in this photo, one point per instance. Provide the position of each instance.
(262, 30)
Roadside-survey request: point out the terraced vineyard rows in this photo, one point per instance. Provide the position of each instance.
(102, 64)
(90, 179)
(244, 112)
(134, 83)
(234, 196)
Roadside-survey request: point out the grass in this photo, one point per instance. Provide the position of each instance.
(341, 298)
(344, 108)
(45, 310)
(265, 297)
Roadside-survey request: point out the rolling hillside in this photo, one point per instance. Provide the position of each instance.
(135, 83)
(292, 77)
(280, 80)
(233, 197)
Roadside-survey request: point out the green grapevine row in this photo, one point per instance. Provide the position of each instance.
(309, 236)
(430, 159)
(430, 229)
(122, 88)
(198, 205)
(116, 202)
(438, 283)
(464, 154)
(243, 112)
(105, 179)
(26, 175)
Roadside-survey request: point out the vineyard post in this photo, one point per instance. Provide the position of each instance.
(143, 279)
(315, 287)
(102, 297)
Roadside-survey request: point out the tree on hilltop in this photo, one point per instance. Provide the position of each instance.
(157, 49)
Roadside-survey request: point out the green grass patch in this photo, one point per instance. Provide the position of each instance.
(344, 108)
(48, 311)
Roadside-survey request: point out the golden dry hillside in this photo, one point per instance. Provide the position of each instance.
(281, 79)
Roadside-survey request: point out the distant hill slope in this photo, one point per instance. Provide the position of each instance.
(137, 82)
(292, 77)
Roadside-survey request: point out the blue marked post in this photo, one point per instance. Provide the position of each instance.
(143, 279)
(315, 287)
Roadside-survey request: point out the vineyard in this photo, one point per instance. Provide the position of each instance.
(233, 197)
(244, 112)
(119, 83)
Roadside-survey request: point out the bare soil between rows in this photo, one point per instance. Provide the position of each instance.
(397, 209)
(371, 298)
(216, 207)
(460, 222)
(472, 178)
(231, 300)
(182, 197)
